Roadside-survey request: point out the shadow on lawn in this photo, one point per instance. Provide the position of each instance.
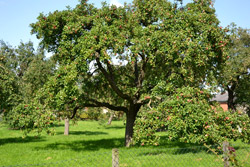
(20, 140)
(175, 144)
(181, 147)
(56, 125)
(95, 145)
(84, 133)
(85, 145)
(114, 127)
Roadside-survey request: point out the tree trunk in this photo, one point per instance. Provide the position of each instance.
(230, 101)
(110, 118)
(66, 127)
(248, 113)
(130, 120)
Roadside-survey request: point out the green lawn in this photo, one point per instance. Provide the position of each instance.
(91, 143)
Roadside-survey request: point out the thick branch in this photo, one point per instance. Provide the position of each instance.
(111, 72)
(136, 72)
(112, 82)
(140, 77)
(143, 70)
(74, 112)
(92, 73)
(107, 105)
(96, 103)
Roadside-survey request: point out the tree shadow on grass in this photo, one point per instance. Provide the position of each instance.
(176, 147)
(187, 150)
(56, 125)
(85, 145)
(21, 140)
(88, 133)
(114, 127)
(172, 151)
(164, 142)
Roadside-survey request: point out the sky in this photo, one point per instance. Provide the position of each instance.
(17, 15)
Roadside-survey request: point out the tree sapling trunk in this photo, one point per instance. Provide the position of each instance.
(66, 127)
(110, 118)
(230, 102)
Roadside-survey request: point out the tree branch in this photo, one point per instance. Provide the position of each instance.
(111, 72)
(111, 81)
(107, 105)
(94, 103)
(74, 112)
(140, 77)
(136, 72)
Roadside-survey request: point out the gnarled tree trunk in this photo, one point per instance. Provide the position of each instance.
(66, 127)
(130, 120)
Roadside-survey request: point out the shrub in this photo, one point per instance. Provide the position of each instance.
(30, 117)
(188, 116)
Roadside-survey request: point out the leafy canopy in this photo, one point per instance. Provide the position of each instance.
(153, 40)
(121, 54)
(22, 72)
(236, 73)
(187, 116)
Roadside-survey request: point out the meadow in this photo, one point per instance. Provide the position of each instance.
(90, 143)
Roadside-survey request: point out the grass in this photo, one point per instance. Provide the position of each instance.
(90, 144)
(85, 137)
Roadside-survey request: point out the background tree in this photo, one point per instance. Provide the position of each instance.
(32, 70)
(133, 48)
(244, 93)
(30, 67)
(236, 76)
(8, 56)
(23, 71)
(8, 81)
(61, 93)
(25, 54)
(36, 75)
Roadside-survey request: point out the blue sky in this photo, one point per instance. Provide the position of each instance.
(16, 15)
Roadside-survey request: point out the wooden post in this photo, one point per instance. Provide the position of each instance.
(225, 153)
(115, 157)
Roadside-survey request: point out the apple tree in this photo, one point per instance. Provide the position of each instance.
(22, 72)
(188, 116)
(9, 89)
(122, 53)
(236, 73)
(61, 93)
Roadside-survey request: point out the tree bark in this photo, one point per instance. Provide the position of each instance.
(110, 118)
(248, 113)
(66, 127)
(130, 120)
(230, 101)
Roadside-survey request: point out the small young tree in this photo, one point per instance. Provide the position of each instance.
(31, 117)
(60, 94)
(134, 47)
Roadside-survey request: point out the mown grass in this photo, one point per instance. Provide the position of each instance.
(85, 137)
(90, 144)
